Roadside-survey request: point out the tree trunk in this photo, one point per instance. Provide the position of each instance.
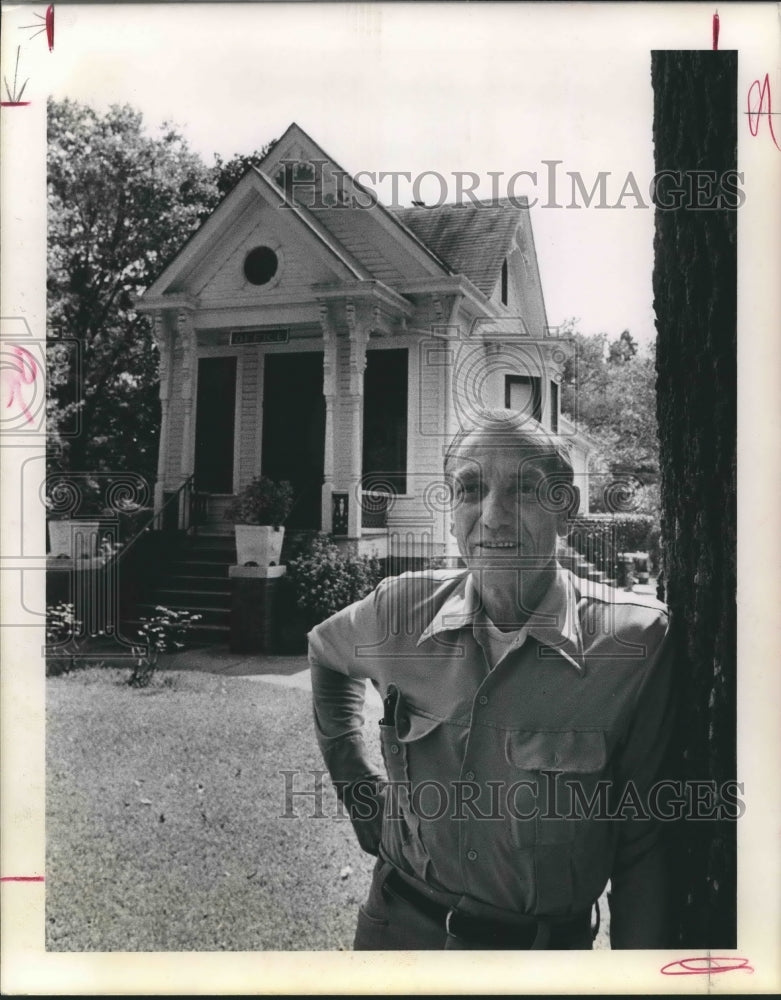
(695, 275)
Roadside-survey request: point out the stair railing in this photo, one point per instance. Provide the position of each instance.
(181, 510)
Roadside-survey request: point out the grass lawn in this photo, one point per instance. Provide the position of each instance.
(165, 819)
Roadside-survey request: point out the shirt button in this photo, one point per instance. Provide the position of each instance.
(483, 699)
(470, 775)
(394, 748)
(472, 855)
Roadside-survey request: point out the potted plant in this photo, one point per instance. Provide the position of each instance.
(258, 514)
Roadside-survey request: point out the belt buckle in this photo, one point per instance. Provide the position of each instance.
(537, 940)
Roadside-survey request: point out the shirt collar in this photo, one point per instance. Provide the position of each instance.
(554, 623)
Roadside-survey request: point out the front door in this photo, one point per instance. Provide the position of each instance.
(294, 430)
(214, 425)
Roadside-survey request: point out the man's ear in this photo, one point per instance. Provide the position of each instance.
(453, 528)
(570, 511)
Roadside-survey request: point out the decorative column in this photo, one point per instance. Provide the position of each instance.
(358, 334)
(163, 341)
(329, 395)
(186, 331)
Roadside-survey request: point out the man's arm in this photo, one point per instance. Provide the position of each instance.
(338, 695)
(639, 880)
(338, 703)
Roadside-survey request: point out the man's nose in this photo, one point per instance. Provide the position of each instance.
(498, 510)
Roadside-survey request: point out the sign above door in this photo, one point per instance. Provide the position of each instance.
(279, 336)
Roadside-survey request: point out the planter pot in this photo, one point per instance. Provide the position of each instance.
(73, 539)
(259, 544)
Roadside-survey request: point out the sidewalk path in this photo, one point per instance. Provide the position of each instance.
(288, 671)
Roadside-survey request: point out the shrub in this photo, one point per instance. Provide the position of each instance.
(326, 579)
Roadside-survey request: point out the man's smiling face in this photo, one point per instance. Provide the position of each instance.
(498, 520)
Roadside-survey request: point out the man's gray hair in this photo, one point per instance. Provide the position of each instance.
(498, 428)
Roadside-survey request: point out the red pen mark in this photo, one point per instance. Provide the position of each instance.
(22, 371)
(705, 965)
(47, 26)
(715, 31)
(15, 96)
(754, 114)
(21, 878)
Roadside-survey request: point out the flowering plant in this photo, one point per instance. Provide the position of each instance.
(61, 623)
(163, 633)
(325, 579)
(62, 627)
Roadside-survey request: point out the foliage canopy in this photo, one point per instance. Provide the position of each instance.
(121, 204)
(609, 389)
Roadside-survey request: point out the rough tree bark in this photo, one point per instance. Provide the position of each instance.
(695, 275)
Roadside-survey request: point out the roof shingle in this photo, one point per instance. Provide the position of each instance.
(472, 240)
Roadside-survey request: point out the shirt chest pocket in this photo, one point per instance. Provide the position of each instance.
(554, 780)
(409, 744)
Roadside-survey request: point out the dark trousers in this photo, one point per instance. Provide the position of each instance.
(386, 922)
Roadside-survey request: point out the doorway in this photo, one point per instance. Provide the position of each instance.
(214, 425)
(294, 430)
(385, 419)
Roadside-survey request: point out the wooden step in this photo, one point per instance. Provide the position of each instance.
(177, 597)
(200, 567)
(197, 582)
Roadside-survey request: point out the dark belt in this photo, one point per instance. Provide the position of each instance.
(491, 934)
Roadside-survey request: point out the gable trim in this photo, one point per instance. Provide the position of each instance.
(220, 218)
(384, 212)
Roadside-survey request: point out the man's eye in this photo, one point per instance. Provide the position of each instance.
(469, 489)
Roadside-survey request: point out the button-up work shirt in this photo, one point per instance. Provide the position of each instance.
(495, 771)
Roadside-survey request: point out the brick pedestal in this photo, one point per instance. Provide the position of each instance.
(254, 594)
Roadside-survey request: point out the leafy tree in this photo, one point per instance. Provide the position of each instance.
(622, 350)
(121, 203)
(609, 389)
(227, 173)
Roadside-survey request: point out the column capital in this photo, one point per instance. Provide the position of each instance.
(326, 324)
(358, 333)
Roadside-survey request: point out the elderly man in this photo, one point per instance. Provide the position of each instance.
(526, 713)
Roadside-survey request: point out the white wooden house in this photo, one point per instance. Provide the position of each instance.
(308, 333)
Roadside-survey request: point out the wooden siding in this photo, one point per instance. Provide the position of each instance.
(249, 422)
(342, 416)
(301, 261)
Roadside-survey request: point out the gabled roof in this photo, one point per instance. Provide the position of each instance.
(226, 213)
(472, 239)
(294, 133)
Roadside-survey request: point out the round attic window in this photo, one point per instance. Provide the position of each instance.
(260, 265)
